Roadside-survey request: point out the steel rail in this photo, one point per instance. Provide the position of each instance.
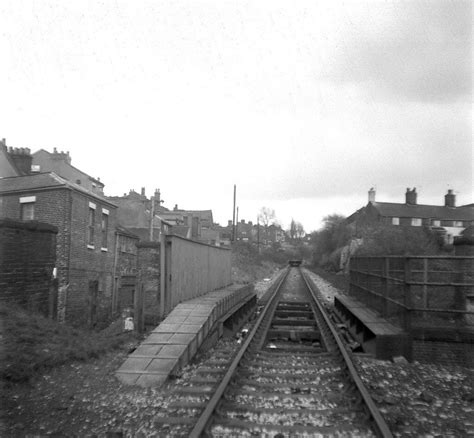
(380, 426)
(206, 415)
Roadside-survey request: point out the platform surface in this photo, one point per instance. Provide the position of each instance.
(176, 340)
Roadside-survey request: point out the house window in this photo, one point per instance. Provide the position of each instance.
(436, 223)
(416, 222)
(458, 223)
(90, 225)
(27, 208)
(28, 211)
(395, 221)
(104, 227)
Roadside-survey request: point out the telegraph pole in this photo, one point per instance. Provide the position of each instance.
(237, 225)
(258, 234)
(233, 217)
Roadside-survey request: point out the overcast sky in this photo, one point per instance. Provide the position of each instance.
(303, 105)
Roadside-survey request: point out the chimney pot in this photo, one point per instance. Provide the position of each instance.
(371, 195)
(410, 196)
(450, 199)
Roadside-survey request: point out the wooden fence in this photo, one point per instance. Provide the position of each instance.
(191, 269)
(417, 292)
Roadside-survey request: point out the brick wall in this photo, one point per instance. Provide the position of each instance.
(27, 259)
(85, 274)
(148, 258)
(445, 353)
(89, 296)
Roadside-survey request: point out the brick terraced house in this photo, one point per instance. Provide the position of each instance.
(446, 219)
(85, 250)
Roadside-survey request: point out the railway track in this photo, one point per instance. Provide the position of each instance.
(292, 377)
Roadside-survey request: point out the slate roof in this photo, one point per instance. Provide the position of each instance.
(38, 181)
(125, 231)
(390, 209)
(68, 165)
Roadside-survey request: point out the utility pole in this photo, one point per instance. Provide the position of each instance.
(237, 225)
(233, 217)
(258, 234)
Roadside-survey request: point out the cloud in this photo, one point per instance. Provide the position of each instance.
(417, 51)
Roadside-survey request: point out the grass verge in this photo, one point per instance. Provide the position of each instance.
(30, 343)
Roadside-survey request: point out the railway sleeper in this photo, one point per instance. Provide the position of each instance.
(233, 427)
(294, 349)
(293, 322)
(329, 397)
(301, 387)
(231, 406)
(294, 335)
(286, 375)
(307, 417)
(304, 353)
(293, 305)
(308, 314)
(292, 366)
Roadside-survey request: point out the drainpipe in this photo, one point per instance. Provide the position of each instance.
(114, 282)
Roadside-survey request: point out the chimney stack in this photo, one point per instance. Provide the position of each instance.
(229, 223)
(410, 196)
(158, 196)
(372, 195)
(143, 191)
(22, 158)
(450, 199)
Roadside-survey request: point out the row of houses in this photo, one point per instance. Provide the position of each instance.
(97, 235)
(448, 219)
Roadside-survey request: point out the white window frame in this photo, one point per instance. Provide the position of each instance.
(30, 201)
(416, 222)
(91, 228)
(436, 223)
(458, 224)
(395, 221)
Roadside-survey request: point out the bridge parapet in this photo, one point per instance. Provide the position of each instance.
(430, 297)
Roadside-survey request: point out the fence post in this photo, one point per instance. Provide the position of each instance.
(407, 295)
(138, 306)
(425, 286)
(162, 269)
(386, 274)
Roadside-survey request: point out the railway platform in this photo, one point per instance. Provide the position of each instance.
(191, 325)
(376, 335)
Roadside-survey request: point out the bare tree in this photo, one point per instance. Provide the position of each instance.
(292, 229)
(299, 231)
(266, 216)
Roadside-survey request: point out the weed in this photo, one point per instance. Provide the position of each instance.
(32, 344)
